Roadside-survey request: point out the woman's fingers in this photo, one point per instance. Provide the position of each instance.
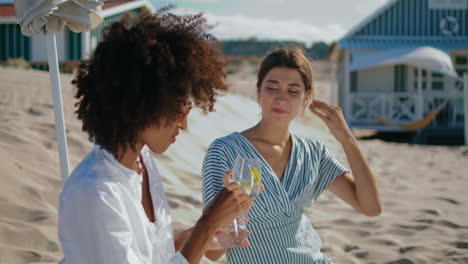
(326, 111)
(227, 177)
(228, 204)
(233, 200)
(262, 187)
(323, 107)
(243, 235)
(246, 204)
(319, 114)
(236, 194)
(242, 221)
(333, 117)
(232, 186)
(235, 191)
(324, 104)
(243, 197)
(245, 244)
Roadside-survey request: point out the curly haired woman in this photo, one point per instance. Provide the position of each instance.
(134, 95)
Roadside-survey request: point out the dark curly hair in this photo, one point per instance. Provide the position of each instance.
(143, 73)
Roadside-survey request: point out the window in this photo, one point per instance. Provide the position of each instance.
(461, 60)
(423, 79)
(461, 65)
(354, 81)
(437, 82)
(400, 78)
(430, 81)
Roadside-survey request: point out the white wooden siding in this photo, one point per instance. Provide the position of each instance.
(380, 79)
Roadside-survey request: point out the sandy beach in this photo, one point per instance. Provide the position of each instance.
(424, 188)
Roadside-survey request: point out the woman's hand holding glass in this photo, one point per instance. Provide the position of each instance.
(247, 174)
(228, 204)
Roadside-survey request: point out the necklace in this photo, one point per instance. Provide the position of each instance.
(140, 166)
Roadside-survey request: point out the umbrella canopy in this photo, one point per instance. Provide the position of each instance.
(47, 17)
(42, 16)
(428, 58)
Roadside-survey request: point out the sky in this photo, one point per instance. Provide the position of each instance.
(301, 20)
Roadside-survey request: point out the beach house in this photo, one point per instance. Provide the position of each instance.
(396, 70)
(71, 46)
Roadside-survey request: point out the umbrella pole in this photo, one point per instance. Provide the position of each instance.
(58, 106)
(465, 100)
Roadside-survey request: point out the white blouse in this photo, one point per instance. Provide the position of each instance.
(102, 220)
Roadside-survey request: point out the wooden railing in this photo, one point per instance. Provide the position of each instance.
(403, 108)
(451, 115)
(394, 107)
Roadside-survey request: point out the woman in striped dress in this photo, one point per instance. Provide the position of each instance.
(295, 170)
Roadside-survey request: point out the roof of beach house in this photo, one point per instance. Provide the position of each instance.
(411, 23)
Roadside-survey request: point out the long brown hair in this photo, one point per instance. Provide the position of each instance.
(293, 58)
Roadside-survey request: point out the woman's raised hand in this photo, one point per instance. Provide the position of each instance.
(333, 118)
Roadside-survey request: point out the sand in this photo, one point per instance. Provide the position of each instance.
(425, 218)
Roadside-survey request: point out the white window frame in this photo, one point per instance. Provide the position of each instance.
(460, 66)
(428, 79)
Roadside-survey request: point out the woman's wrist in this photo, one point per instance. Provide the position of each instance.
(205, 223)
(348, 141)
(196, 244)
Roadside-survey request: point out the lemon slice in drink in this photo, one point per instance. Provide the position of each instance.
(255, 176)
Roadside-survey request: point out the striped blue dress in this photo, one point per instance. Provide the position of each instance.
(280, 232)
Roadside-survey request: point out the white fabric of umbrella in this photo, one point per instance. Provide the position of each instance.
(425, 57)
(48, 17)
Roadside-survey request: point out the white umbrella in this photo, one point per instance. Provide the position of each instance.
(48, 17)
(426, 57)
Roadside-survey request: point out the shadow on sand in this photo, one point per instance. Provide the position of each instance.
(415, 138)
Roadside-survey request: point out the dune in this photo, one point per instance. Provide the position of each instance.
(425, 218)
